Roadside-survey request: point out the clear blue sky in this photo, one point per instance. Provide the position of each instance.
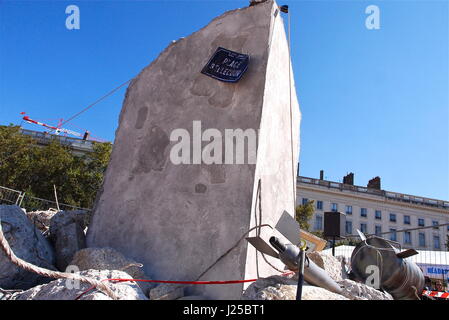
(374, 102)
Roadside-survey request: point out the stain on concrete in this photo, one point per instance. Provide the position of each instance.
(141, 117)
(234, 43)
(200, 188)
(152, 155)
(220, 94)
(223, 96)
(202, 86)
(216, 173)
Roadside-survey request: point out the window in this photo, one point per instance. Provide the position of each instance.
(392, 217)
(378, 214)
(304, 201)
(364, 227)
(319, 205)
(436, 242)
(435, 224)
(334, 207)
(422, 239)
(348, 227)
(393, 235)
(421, 222)
(406, 219)
(348, 209)
(378, 230)
(407, 237)
(363, 212)
(318, 222)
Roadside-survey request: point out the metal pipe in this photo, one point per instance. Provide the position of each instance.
(302, 257)
(312, 273)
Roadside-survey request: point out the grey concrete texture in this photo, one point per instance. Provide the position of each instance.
(64, 289)
(67, 235)
(111, 259)
(179, 219)
(28, 244)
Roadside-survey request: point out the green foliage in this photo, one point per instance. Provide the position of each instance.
(304, 213)
(347, 242)
(27, 167)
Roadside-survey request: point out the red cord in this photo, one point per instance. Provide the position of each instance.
(179, 282)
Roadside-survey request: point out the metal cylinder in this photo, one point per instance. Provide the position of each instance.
(375, 260)
(289, 255)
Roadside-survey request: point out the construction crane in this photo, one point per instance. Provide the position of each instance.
(58, 129)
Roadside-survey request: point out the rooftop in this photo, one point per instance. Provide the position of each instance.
(44, 138)
(389, 195)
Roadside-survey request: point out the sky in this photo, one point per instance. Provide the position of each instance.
(373, 102)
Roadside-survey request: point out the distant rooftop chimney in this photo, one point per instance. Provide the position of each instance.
(349, 179)
(374, 183)
(321, 174)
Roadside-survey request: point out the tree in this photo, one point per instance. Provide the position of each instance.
(303, 214)
(15, 153)
(91, 178)
(27, 167)
(447, 242)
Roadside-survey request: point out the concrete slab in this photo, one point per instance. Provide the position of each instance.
(178, 219)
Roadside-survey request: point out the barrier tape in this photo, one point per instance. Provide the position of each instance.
(436, 294)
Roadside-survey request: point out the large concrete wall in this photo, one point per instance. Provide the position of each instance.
(179, 219)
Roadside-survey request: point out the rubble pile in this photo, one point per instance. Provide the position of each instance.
(110, 259)
(65, 246)
(41, 219)
(285, 287)
(63, 289)
(358, 291)
(330, 264)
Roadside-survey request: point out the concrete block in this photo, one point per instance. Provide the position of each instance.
(179, 219)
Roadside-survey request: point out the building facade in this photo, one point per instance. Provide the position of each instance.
(78, 147)
(380, 212)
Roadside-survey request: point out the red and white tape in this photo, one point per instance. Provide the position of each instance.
(436, 294)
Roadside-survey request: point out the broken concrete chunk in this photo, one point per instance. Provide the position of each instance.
(41, 219)
(283, 288)
(193, 298)
(328, 263)
(63, 289)
(67, 235)
(317, 293)
(27, 243)
(167, 291)
(359, 291)
(110, 259)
